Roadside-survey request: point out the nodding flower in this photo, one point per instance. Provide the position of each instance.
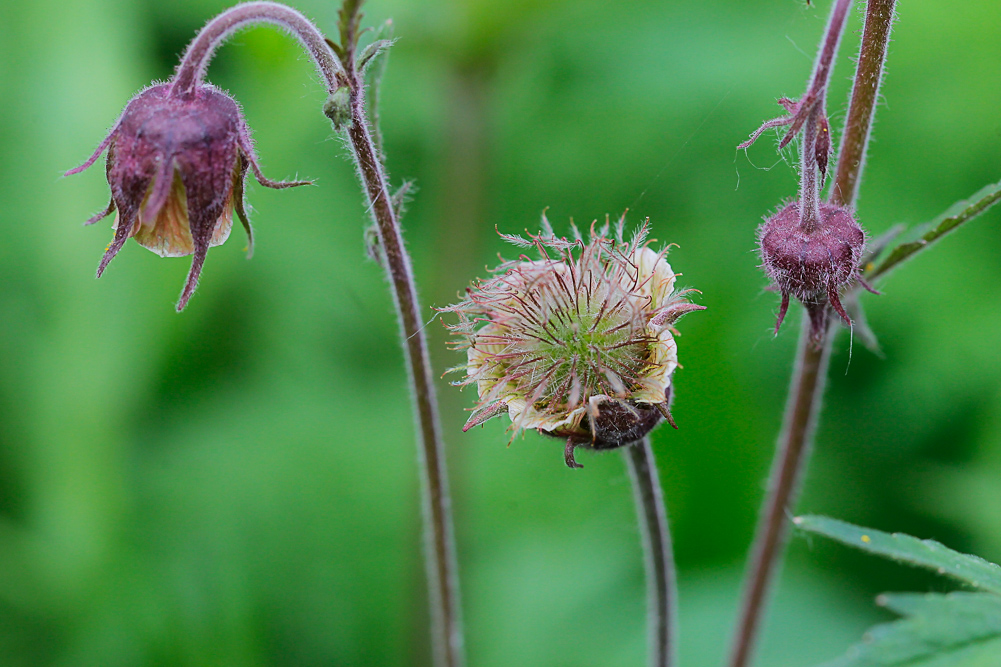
(813, 265)
(176, 166)
(578, 344)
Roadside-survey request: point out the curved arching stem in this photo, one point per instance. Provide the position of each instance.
(339, 74)
(196, 59)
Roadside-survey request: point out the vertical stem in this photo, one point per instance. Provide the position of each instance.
(661, 584)
(439, 541)
(809, 189)
(795, 442)
(829, 49)
(865, 92)
(810, 372)
(814, 100)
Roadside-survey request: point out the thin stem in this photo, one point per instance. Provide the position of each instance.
(865, 92)
(440, 545)
(829, 49)
(809, 188)
(813, 104)
(810, 372)
(196, 59)
(790, 461)
(661, 594)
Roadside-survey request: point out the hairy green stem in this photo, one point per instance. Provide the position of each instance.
(661, 584)
(810, 372)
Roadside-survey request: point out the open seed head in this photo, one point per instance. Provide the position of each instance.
(577, 344)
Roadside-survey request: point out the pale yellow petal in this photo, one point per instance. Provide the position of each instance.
(170, 234)
(657, 376)
(655, 276)
(526, 418)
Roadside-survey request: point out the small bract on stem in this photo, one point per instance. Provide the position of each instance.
(578, 344)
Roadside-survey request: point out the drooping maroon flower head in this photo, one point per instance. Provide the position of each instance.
(176, 166)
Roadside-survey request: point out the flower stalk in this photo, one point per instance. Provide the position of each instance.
(441, 562)
(795, 442)
(879, 16)
(195, 61)
(813, 355)
(660, 573)
(338, 67)
(579, 345)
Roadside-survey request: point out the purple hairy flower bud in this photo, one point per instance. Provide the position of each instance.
(810, 249)
(176, 166)
(579, 344)
(812, 265)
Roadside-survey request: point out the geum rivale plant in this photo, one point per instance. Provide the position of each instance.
(579, 345)
(177, 160)
(815, 250)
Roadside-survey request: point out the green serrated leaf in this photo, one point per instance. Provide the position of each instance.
(955, 630)
(876, 246)
(958, 213)
(969, 569)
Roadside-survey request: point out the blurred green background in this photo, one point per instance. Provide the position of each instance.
(236, 485)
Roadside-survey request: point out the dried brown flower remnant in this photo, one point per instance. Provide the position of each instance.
(176, 166)
(577, 344)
